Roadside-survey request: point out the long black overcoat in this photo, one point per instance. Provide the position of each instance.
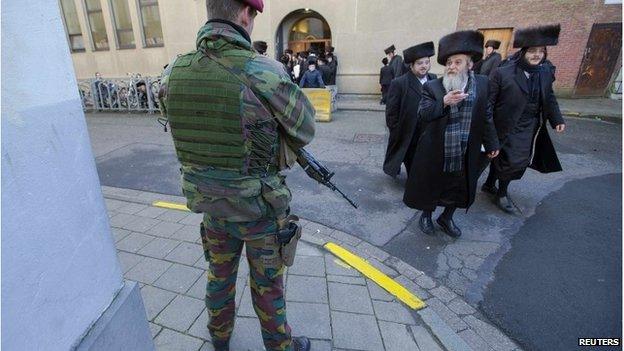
(488, 64)
(425, 181)
(508, 91)
(401, 119)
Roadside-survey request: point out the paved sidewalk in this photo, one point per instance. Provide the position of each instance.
(604, 109)
(327, 300)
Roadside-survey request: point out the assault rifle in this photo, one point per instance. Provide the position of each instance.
(318, 172)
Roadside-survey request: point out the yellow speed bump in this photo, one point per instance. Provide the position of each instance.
(376, 275)
(171, 205)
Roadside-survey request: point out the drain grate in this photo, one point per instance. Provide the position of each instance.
(368, 138)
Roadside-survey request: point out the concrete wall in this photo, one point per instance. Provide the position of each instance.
(576, 17)
(59, 267)
(361, 29)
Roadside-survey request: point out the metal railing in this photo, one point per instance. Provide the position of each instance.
(132, 94)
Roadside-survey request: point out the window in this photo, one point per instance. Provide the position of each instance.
(74, 34)
(123, 24)
(150, 20)
(96, 24)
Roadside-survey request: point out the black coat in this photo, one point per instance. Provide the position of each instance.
(326, 73)
(398, 68)
(385, 75)
(425, 181)
(508, 89)
(488, 64)
(334, 71)
(401, 119)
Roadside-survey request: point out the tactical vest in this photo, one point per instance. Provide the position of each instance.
(212, 122)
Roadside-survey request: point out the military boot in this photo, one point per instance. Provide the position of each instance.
(301, 343)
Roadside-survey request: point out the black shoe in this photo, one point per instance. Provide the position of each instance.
(426, 225)
(449, 227)
(504, 203)
(301, 343)
(221, 345)
(490, 189)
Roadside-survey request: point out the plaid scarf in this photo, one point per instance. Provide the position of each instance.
(458, 130)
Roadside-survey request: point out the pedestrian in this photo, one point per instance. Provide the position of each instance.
(312, 77)
(395, 61)
(522, 98)
(385, 78)
(332, 62)
(402, 108)
(232, 114)
(325, 70)
(491, 60)
(445, 167)
(260, 47)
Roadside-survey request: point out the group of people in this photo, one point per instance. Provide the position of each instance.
(483, 110)
(311, 69)
(238, 118)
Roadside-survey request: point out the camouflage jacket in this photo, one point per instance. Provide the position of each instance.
(227, 195)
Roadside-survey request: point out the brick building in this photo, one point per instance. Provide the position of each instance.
(588, 57)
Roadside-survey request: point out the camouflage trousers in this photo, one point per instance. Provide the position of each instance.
(223, 244)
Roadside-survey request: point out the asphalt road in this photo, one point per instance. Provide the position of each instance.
(490, 264)
(562, 278)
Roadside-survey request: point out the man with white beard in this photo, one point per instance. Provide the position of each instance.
(454, 109)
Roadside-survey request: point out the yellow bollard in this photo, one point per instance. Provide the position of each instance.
(321, 100)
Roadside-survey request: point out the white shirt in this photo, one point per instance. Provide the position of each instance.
(423, 80)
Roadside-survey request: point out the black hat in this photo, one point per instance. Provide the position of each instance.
(493, 43)
(331, 49)
(469, 42)
(260, 46)
(312, 61)
(418, 51)
(390, 49)
(384, 61)
(537, 36)
(288, 51)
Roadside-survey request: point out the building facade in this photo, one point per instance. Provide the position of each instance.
(117, 37)
(588, 57)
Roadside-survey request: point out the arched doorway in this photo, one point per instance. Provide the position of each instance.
(303, 30)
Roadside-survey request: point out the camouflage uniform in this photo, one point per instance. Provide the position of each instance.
(233, 178)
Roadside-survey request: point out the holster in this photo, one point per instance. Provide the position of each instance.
(288, 236)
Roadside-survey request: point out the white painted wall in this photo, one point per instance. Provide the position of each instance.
(59, 268)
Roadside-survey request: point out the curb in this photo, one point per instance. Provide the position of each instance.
(446, 323)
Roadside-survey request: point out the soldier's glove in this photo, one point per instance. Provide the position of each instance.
(288, 235)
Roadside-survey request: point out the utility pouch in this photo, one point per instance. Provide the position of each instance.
(288, 236)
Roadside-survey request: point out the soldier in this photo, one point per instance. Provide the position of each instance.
(235, 117)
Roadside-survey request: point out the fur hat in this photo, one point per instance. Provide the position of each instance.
(418, 51)
(390, 49)
(260, 46)
(537, 36)
(469, 42)
(493, 43)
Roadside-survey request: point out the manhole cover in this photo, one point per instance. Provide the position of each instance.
(369, 138)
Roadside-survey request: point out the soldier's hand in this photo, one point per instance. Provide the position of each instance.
(493, 154)
(560, 128)
(454, 97)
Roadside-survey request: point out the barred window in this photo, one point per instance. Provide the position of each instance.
(123, 24)
(72, 25)
(150, 20)
(96, 24)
